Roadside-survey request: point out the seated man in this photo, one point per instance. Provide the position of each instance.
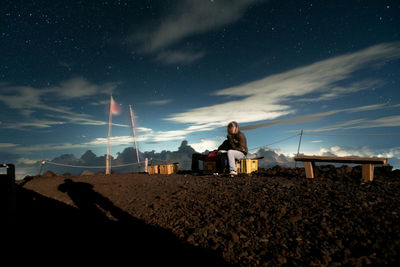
(238, 143)
(233, 148)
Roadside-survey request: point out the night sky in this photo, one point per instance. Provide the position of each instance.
(189, 67)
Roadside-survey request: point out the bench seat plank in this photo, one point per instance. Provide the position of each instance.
(355, 160)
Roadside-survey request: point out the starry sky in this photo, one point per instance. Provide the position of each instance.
(189, 67)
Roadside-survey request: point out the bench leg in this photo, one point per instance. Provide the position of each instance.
(309, 167)
(368, 172)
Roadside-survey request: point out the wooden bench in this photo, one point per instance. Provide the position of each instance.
(367, 164)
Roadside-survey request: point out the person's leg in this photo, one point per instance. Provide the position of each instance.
(220, 164)
(195, 161)
(232, 156)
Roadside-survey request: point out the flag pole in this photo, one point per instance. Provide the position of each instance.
(108, 167)
(134, 134)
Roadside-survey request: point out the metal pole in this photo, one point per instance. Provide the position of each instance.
(134, 134)
(298, 149)
(108, 167)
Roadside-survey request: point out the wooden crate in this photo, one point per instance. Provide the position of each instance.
(247, 165)
(168, 168)
(153, 169)
(209, 167)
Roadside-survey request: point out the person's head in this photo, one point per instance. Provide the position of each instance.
(233, 127)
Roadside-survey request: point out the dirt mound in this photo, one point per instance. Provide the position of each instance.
(273, 217)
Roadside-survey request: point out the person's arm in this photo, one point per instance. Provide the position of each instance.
(243, 143)
(225, 145)
(233, 142)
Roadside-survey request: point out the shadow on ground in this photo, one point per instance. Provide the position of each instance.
(98, 230)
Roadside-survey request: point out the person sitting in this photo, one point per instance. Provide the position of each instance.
(238, 146)
(233, 148)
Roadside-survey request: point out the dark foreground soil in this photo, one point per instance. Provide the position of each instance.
(273, 217)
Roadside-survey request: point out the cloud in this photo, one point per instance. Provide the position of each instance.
(277, 95)
(339, 91)
(144, 134)
(160, 136)
(116, 140)
(187, 18)
(76, 118)
(154, 137)
(346, 152)
(159, 102)
(84, 119)
(23, 98)
(31, 123)
(314, 117)
(100, 103)
(362, 123)
(205, 144)
(26, 161)
(143, 129)
(48, 147)
(389, 121)
(28, 99)
(7, 145)
(79, 87)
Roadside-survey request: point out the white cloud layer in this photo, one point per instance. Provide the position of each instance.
(205, 144)
(277, 95)
(359, 152)
(362, 123)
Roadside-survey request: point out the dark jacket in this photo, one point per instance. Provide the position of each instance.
(238, 142)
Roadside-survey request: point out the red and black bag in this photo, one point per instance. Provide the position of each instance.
(211, 157)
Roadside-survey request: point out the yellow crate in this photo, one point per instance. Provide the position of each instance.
(247, 165)
(153, 169)
(209, 167)
(168, 168)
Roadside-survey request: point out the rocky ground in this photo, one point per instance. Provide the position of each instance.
(273, 217)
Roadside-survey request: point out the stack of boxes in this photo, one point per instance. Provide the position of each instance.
(163, 168)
